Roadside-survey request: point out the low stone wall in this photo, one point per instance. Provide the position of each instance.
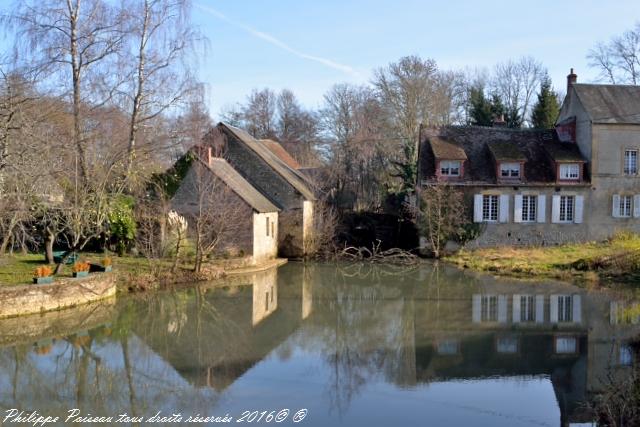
(29, 299)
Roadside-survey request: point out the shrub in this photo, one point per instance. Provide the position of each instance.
(43, 271)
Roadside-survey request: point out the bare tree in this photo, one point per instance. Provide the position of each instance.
(160, 38)
(441, 215)
(69, 41)
(516, 82)
(259, 113)
(618, 60)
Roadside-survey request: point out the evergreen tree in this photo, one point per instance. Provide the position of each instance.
(497, 107)
(513, 118)
(547, 108)
(481, 112)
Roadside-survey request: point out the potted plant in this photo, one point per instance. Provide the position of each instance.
(105, 266)
(80, 269)
(43, 274)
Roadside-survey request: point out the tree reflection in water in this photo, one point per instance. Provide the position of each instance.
(339, 332)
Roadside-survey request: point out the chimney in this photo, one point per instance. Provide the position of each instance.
(571, 80)
(499, 122)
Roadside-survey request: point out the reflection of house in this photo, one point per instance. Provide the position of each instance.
(227, 332)
(266, 167)
(577, 182)
(215, 195)
(573, 338)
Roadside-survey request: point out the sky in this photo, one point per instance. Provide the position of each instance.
(307, 46)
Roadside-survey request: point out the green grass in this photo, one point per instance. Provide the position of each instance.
(19, 269)
(616, 260)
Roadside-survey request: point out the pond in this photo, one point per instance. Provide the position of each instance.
(349, 345)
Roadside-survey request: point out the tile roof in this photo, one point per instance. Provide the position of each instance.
(292, 176)
(277, 149)
(445, 150)
(506, 151)
(476, 142)
(610, 103)
(564, 152)
(241, 186)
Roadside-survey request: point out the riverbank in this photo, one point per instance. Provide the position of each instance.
(133, 274)
(613, 261)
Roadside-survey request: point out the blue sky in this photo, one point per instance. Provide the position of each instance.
(307, 46)
(268, 43)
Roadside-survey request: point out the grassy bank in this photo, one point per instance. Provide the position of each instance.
(616, 260)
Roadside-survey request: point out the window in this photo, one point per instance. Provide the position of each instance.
(267, 226)
(630, 162)
(567, 204)
(527, 308)
(625, 206)
(489, 308)
(448, 347)
(490, 208)
(507, 345)
(450, 167)
(566, 345)
(510, 170)
(570, 171)
(565, 308)
(529, 204)
(626, 356)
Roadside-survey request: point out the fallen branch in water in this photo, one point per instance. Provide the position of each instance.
(375, 255)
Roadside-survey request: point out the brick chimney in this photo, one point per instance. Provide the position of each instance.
(572, 78)
(499, 122)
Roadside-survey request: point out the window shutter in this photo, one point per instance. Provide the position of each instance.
(476, 307)
(517, 208)
(636, 206)
(539, 308)
(579, 209)
(553, 312)
(504, 208)
(615, 209)
(477, 208)
(555, 209)
(542, 208)
(516, 309)
(502, 309)
(577, 309)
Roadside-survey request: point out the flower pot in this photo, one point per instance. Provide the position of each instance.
(42, 280)
(80, 273)
(100, 268)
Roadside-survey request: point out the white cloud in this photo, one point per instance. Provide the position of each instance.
(280, 44)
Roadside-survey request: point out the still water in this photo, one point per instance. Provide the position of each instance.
(353, 345)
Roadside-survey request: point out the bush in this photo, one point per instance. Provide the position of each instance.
(43, 271)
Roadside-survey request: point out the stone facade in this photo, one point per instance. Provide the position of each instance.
(578, 182)
(282, 185)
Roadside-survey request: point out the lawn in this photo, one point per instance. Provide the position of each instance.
(19, 269)
(616, 260)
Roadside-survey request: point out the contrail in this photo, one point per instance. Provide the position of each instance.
(278, 43)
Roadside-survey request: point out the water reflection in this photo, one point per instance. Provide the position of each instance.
(355, 345)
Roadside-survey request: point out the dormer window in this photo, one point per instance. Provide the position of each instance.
(450, 167)
(510, 170)
(569, 171)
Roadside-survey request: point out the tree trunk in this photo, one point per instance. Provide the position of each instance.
(48, 246)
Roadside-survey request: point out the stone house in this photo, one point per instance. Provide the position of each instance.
(247, 222)
(604, 122)
(273, 176)
(578, 182)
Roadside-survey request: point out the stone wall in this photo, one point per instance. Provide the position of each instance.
(265, 236)
(28, 299)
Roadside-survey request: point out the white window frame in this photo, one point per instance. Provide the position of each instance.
(529, 208)
(490, 207)
(447, 166)
(567, 213)
(510, 170)
(630, 165)
(566, 345)
(626, 206)
(569, 171)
